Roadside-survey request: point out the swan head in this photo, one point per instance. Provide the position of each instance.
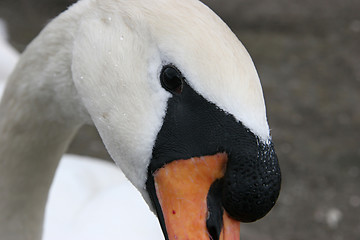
(179, 105)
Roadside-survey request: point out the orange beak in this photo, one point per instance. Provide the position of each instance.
(182, 189)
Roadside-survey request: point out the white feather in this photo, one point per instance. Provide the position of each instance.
(103, 59)
(8, 56)
(99, 63)
(89, 199)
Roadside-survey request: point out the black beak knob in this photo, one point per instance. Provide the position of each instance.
(251, 183)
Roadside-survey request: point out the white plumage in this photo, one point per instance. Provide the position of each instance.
(88, 201)
(88, 196)
(8, 57)
(72, 75)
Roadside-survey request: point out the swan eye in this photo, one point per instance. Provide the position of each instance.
(171, 79)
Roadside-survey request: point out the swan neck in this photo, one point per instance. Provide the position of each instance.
(36, 127)
(30, 150)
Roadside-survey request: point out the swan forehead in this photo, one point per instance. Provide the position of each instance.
(214, 62)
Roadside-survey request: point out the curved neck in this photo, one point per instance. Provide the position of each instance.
(29, 155)
(34, 133)
(40, 113)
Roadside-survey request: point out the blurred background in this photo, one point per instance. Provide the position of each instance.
(308, 57)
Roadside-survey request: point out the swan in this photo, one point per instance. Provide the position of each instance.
(92, 213)
(8, 56)
(96, 187)
(177, 102)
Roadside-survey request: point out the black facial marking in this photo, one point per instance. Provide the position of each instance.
(194, 127)
(150, 187)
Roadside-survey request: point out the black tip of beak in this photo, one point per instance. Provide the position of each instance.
(252, 184)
